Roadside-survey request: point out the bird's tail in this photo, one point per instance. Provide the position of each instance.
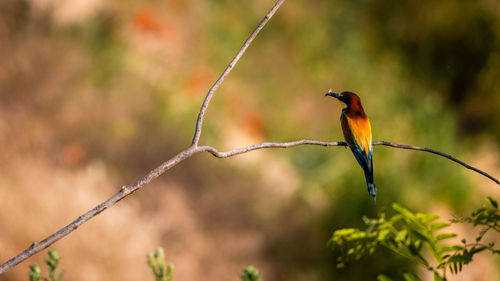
(372, 189)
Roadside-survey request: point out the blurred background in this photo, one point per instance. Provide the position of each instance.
(93, 94)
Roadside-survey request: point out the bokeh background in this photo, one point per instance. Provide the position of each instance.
(93, 94)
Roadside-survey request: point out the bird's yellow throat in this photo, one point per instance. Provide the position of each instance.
(342, 104)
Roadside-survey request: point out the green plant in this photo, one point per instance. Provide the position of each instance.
(250, 273)
(156, 262)
(408, 234)
(161, 271)
(35, 273)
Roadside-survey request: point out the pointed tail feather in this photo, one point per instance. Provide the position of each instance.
(372, 190)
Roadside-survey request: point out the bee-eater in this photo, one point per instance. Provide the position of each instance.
(357, 133)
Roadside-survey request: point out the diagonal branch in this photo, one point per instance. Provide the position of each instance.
(208, 97)
(430, 150)
(127, 190)
(124, 191)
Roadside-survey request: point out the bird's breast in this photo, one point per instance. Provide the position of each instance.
(357, 128)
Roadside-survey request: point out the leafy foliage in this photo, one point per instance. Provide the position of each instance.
(35, 273)
(408, 234)
(405, 233)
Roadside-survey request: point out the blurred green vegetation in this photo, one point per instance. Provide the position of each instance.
(35, 273)
(124, 85)
(407, 234)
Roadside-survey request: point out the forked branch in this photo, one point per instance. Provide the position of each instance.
(194, 149)
(127, 190)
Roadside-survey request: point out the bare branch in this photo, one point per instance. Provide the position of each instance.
(127, 190)
(237, 151)
(403, 146)
(208, 97)
(241, 150)
(124, 191)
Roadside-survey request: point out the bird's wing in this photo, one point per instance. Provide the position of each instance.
(360, 133)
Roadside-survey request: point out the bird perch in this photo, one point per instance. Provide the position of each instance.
(193, 149)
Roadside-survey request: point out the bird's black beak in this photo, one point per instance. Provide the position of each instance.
(335, 95)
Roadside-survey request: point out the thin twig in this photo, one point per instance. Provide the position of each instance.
(127, 190)
(237, 151)
(124, 192)
(440, 154)
(208, 97)
(241, 150)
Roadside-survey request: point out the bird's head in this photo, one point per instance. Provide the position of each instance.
(346, 99)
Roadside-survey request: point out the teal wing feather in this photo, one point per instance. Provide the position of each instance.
(364, 159)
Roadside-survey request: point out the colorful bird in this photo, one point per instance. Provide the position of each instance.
(357, 133)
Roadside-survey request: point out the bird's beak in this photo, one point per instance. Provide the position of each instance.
(338, 97)
(335, 95)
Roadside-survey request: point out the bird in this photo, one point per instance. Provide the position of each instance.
(357, 134)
